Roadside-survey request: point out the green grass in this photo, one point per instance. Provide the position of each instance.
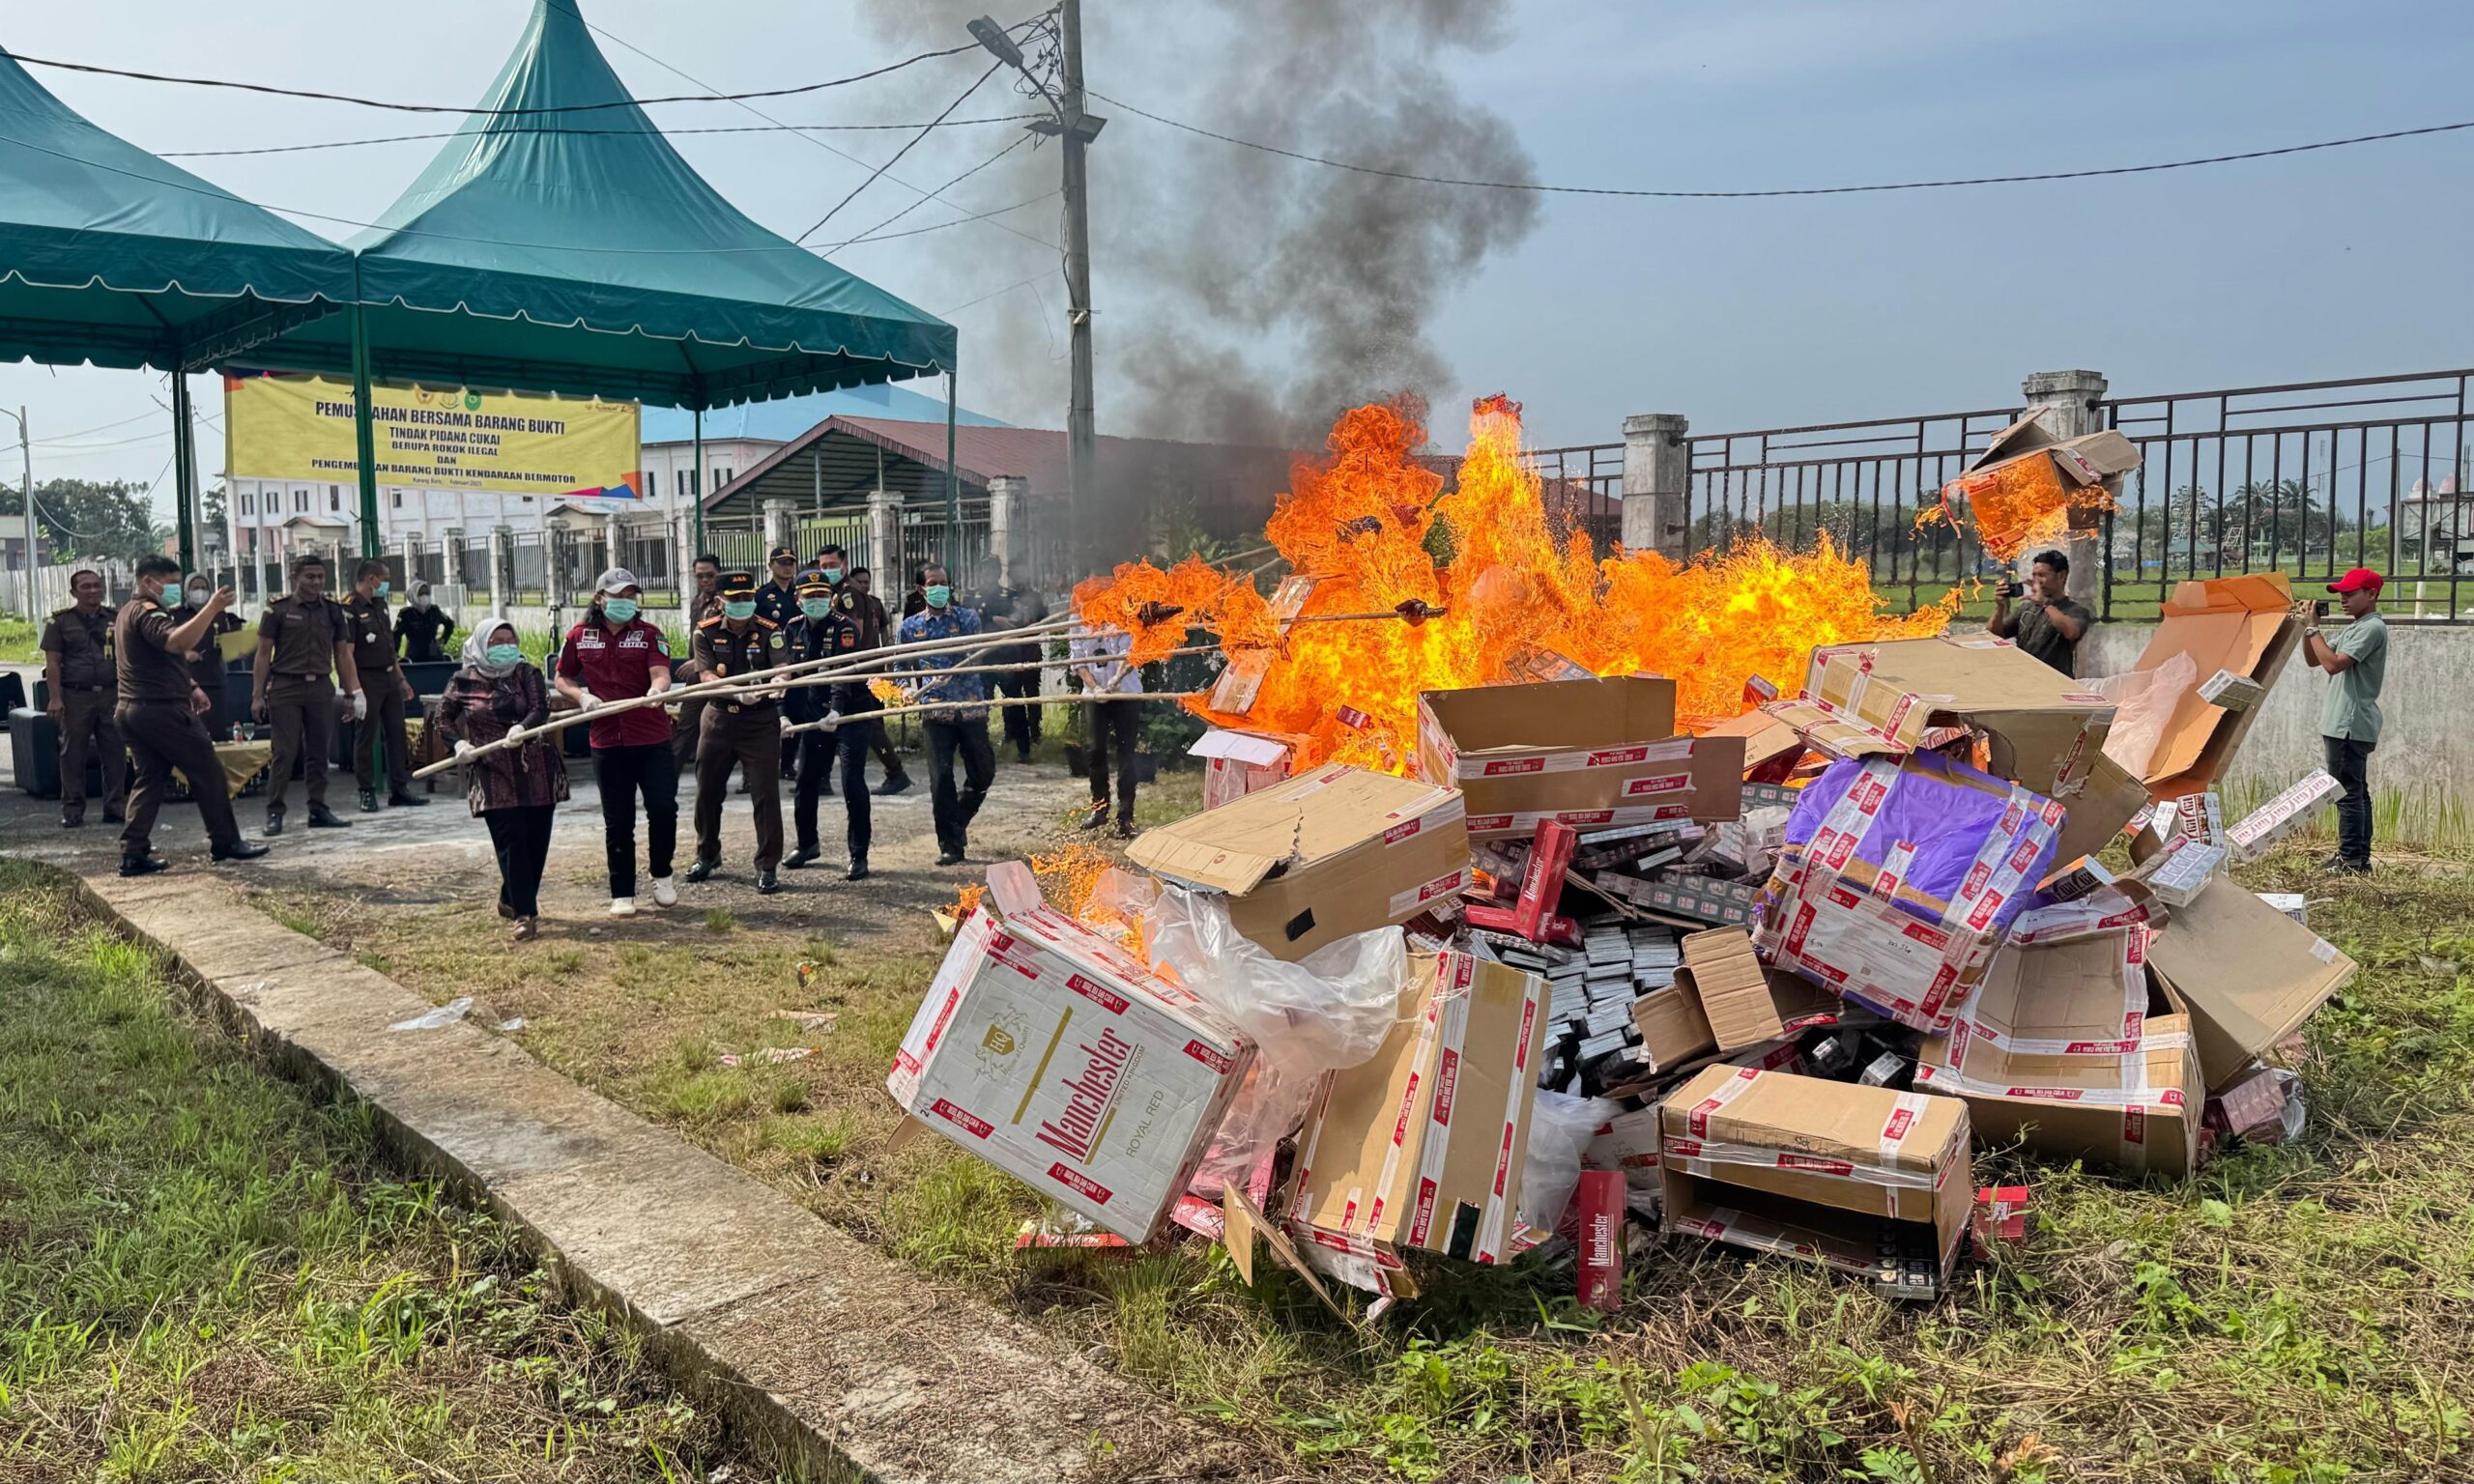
(205, 1273)
(17, 638)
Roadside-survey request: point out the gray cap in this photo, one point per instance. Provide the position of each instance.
(616, 579)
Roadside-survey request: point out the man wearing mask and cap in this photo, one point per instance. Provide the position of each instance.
(743, 730)
(2356, 661)
(875, 630)
(702, 604)
(380, 738)
(423, 628)
(300, 636)
(777, 602)
(160, 705)
(825, 629)
(81, 676)
(206, 665)
(963, 730)
(616, 655)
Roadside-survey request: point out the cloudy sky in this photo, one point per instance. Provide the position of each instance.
(1737, 313)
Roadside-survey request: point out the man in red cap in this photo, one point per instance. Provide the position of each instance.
(2356, 659)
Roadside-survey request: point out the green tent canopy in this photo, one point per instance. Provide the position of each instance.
(531, 256)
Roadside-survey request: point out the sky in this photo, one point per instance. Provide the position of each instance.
(1738, 314)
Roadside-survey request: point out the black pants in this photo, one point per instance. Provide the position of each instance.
(1114, 724)
(818, 752)
(162, 735)
(880, 740)
(1021, 723)
(954, 811)
(384, 727)
(2349, 764)
(521, 836)
(650, 768)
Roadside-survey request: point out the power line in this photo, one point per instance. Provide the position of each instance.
(1806, 190)
(82, 432)
(871, 237)
(743, 129)
(1017, 143)
(908, 146)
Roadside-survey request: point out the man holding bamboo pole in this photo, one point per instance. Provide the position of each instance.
(616, 655)
(742, 729)
(823, 629)
(963, 730)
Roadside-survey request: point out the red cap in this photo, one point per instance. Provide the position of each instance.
(2357, 580)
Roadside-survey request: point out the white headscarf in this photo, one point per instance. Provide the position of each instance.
(477, 647)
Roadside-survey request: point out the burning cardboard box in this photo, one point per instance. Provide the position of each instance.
(1421, 1148)
(1591, 754)
(1237, 762)
(2250, 974)
(1048, 1051)
(1310, 860)
(2244, 627)
(2073, 1046)
(1849, 1175)
(1899, 877)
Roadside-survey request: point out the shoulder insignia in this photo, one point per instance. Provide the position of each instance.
(769, 623)
(707, 623)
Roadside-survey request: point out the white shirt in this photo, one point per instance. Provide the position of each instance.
(1099, 654)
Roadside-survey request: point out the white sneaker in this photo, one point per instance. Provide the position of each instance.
(665, 892)
(622, 906)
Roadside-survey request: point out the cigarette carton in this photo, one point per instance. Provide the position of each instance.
(1238, 762)
(2251, 836)
(2232, 692)
(1593, 754)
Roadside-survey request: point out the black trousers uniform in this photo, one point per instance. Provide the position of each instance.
(86, 721)
(1113, 725)
(955, 808)
(820, 753)
(519, 837)
(622, 772)
(164, 736)
(740, 734)
(384, 727)
(301, 709)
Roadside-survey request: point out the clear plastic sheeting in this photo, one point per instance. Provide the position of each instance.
(2143, 701)
(1560, 1128)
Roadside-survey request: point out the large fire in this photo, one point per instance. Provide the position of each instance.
(1376, 530)
(2017, 507)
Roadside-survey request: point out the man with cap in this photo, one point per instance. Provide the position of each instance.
(961, 730)
(875, 630)
(2356, 661)
(702, 604)
(373, 656)
(616, 655)
(823, 629)
(81, 677)
(300, 636)
(160, 707)
(744, 730)
(777, 602)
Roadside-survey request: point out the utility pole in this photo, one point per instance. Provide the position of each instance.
(26, 452)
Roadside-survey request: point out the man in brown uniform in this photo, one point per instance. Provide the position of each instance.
(875, 631)
(746, 731)
(300, 636)
(382, 680)
(160, 705)
(78, 672)
(702, 604)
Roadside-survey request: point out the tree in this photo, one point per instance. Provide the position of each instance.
(81, 518)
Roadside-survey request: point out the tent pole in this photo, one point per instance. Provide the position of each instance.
(699, 485)
(364, 444)
(183, 478)
(953, 490)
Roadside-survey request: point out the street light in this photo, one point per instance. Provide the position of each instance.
(26, 451)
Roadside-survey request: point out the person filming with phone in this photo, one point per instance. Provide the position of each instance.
(2038, 615)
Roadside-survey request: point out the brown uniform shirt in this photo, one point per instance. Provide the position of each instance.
(869, 614)
(720, 652)
(305, 635)
(150, 670)
(84, 644)
(209, 666)
(372, 634)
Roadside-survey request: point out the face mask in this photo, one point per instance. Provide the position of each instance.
(505, 654)
(833, 575)
(620, 610)
(381, 590)
(818, 609)
(420, 600)
(739, 610)
(940, 596)
(198, 597)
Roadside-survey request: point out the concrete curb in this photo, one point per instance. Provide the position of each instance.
(831, 1358)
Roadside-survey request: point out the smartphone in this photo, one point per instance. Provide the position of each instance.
(2013, 589)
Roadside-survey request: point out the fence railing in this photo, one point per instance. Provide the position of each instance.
(1583, 485)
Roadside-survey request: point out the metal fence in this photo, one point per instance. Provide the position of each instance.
(1584, 484)
(475, 568)
(646, 550)
(925, 543)
(529, 562)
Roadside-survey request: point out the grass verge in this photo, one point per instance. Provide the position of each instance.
(205, 1273)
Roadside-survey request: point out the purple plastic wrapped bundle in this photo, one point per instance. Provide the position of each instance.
(1898, 878)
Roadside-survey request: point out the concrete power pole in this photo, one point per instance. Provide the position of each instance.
(1082, 418)
(26, 452)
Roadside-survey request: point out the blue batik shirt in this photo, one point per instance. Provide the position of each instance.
(952, 623)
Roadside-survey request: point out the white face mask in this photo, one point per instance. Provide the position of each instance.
(198, 596)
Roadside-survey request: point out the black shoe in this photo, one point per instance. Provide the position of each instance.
(275, 822)
(2339, 866)
(859, 871)
(950, 858)
(404, 799)
(894, 783)
(114, 817)
(767, 883)
(68, 823)
(320, 817)
(1098, 814)
(1025, 756)
(701, 871)
(805, 855)
(142, 865)
(1126, 829)
(368, 804)
(239, 850)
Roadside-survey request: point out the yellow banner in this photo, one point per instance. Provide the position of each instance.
(301, 427)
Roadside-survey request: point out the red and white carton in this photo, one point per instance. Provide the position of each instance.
(1599, 1202)
(2250, 837)
(1595, 755)
(1051, 1053)
(1237, 762)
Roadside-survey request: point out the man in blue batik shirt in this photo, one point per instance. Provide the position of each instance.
(963, 729)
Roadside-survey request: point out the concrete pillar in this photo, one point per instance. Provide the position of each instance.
(614, 543)
(1658, 473)
(1009, 529)
(778, 514)
(884, 543)
(450, 558)
(2070, 399)
(502, 566)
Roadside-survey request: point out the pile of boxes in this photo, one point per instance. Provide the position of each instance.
(1802, 963)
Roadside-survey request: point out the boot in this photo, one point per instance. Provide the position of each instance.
(858, 870)
(239, 850)
(405, 798)
(368, 804)
(767, 883)
(702, 870)
(142, 865)
(320, 817)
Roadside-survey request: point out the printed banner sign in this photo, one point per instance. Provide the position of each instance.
(300, 428)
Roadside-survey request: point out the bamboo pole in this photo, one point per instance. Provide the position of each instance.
(836, 720)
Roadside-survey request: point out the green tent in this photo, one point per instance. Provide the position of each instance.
(574, 252)
(111, 257)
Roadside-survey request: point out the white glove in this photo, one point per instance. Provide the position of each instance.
(516, 733)
(359, 706)
(586, 701)
(463, 749)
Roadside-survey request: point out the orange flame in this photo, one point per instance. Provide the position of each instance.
(2016, 506)
(1512, 581)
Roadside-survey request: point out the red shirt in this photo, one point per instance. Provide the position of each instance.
(616, 665)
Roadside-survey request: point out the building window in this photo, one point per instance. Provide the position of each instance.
(248, 505)
(335, 496)
(301, 500)
(696, 481)
(396, 497)
(722, 477)
(652, 482)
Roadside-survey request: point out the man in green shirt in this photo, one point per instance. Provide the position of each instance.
(2356, 661)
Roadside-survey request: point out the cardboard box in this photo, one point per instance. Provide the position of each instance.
(1721, 971)
(2074, 1047)
(1310, 860)
(2250, 837)
(2245, 625)
(2232, 692)
(1778, 1161)
(1237, 763)
(2001, 1218)
(1627, 1142)
(1046, 1051)
(1766, 740)
(1890, 698)
(1240, 681)
(2088, 460)
(2250, 975)
(1422, 1147)
(2108, 799)
(1593, 754)
(1899, 877)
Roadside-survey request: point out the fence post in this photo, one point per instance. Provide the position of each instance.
(2070, 399)
(777, 525)
(884, 539)
(614, 544)
(1009, 533)
(502, 566)
(1658, 473)
(450, 557)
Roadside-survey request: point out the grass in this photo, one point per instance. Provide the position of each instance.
(17, 638)
(205, 1273)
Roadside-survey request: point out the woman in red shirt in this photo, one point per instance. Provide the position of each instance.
(616, 655)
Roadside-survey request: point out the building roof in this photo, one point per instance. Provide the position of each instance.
(785, 419)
